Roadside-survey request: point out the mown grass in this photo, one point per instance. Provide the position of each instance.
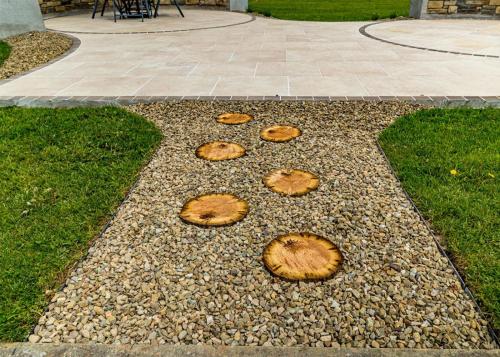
(4, 51)
(331, 10)
(449, 163)
(62, 174)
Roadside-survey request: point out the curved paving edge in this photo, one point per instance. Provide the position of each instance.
(75, 45)
(362, 31)
(66, 102)
(252, 18)
(84, 350)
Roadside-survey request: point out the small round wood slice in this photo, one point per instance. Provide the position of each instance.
(218, 209)
(302, 256)
(220, 150)
(280, 133)
(234, 118)
(291, 182)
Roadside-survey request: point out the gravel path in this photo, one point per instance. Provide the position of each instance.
(153, 279)
(33, 49)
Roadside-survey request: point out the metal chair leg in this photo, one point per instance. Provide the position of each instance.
(104, 5)
(178, 8)
(140, 8)
(156, 8)
(148, 8)
(94, 10)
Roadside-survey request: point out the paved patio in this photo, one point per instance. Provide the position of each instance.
(228, 54)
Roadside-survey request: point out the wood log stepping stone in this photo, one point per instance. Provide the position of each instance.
(280, 133)
(234, 118)
(291, 182)
(220, 150)
(217, 209)
(302, 256)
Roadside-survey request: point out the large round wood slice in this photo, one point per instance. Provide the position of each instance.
(280, 133)
(217, 209)
(234, 118)
(220, 150)
(302, 256)
(291, 182)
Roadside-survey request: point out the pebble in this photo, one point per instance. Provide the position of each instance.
(34, 338)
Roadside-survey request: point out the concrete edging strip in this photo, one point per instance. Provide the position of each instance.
(100, 350)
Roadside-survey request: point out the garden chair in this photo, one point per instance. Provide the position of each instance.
(124, 7)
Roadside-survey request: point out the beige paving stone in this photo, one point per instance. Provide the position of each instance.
(265, 86)
(361, 67)
(178, 86)
(231, 69)
(160, 69)
(294, 69)
(35, 86)
(105, 86)
(340, 85)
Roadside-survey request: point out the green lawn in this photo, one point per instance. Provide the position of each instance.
(4, 51)
(331, 10)
(62, 174)
(449, 163)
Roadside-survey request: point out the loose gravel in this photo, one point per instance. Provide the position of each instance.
(33, 49)
(153, 279)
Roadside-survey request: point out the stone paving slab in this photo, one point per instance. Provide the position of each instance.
(96, 350)
(267, 57)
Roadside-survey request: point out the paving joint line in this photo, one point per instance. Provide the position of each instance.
(362, 31)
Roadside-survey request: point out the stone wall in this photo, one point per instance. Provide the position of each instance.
(466, 7)
(48, 6)
(63, 5)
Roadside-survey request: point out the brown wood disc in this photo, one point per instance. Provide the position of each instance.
(302, 256)
(280, 133)
(291, 182)
(234, 118)
(217, 209)
(220, 150)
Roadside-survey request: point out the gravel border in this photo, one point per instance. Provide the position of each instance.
(360, 120)
(74, 46)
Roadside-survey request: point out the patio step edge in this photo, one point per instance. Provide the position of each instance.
(83, 101)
